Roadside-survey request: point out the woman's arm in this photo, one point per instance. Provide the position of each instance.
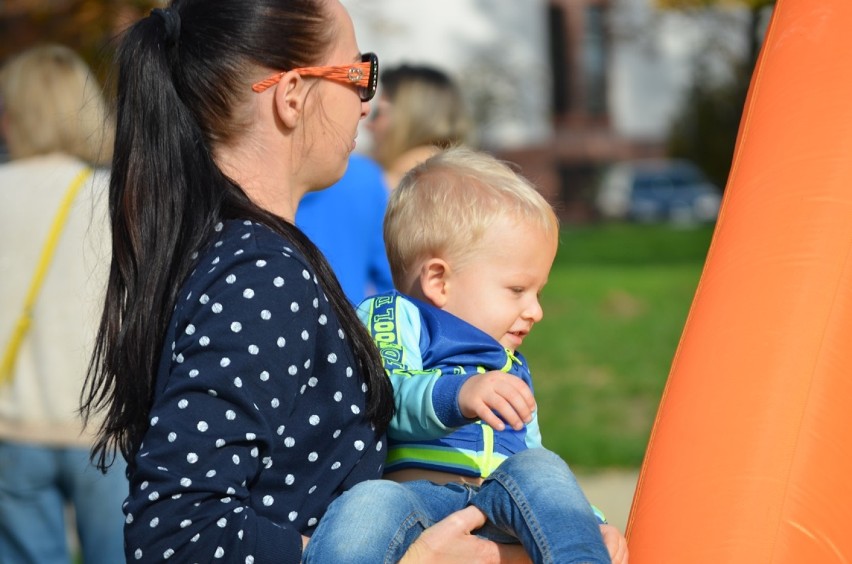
(211, 479)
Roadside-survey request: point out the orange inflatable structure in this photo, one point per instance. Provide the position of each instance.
(750, 457)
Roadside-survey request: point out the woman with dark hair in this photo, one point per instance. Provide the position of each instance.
(232, 371)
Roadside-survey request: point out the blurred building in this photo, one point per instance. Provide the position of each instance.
(561, 87)
(586, 135)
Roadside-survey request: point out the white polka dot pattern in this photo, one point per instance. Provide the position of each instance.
(256, 424)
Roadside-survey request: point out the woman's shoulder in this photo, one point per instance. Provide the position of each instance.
(246, 252)
(238, 241)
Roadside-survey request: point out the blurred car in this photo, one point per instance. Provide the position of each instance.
(657, 190)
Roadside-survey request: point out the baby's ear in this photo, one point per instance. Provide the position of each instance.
(434, 281)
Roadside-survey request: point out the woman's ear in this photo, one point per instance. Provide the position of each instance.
(435, 281)
(290, 95)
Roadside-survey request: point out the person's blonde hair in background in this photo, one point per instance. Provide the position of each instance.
(420, 111)
(55, 122)
(53, 104)
(430, 216)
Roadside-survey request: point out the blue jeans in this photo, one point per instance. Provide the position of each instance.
(36, 483)
(532, 498)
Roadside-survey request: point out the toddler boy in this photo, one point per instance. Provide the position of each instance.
(471, 245)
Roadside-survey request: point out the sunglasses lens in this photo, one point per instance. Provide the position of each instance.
(367, 92)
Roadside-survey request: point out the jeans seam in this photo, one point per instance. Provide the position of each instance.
(400, 535)
(505, 480)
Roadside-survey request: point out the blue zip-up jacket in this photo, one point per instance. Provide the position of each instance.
(428, 355)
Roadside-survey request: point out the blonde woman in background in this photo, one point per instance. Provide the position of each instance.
(420, 112)
(56, 131)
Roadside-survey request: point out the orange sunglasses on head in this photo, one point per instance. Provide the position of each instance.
(363, 75)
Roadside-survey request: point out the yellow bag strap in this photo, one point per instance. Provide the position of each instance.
(24, 321)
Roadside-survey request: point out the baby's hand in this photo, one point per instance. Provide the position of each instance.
(616, 544)
(509, 396)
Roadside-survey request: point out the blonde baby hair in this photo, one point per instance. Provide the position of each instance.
(444, 206)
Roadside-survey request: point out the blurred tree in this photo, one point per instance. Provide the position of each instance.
(87, 26)
(705, 128)
(756, 10)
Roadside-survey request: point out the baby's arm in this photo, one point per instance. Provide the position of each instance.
(497, 398)
(417, 416)
(432, 402)
(425, 399)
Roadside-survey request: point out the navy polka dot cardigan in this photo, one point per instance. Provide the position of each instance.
(257, 420)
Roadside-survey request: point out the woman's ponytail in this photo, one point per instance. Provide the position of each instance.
(162, 206)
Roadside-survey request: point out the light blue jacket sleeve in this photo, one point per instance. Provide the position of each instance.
(398, 338)
(532, 438)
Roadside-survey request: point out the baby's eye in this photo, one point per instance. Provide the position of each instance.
(517, 290)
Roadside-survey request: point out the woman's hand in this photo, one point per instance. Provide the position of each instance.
(615, 543)
(450, 541)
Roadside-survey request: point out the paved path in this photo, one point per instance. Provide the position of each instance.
(612, 492)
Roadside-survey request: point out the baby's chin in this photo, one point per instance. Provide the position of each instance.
(512, 341)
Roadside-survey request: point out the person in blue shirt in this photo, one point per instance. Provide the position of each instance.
(345, 222)
(471, 245)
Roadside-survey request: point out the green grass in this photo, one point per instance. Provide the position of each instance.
(614, 310)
